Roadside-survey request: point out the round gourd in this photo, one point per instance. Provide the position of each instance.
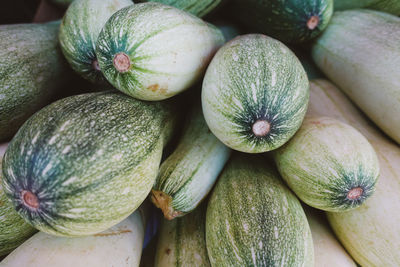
(255, 94)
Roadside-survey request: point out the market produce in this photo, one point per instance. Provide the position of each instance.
(329, 165)
(360, 52)
(151, 51)
(189, 173)
(290, 21)
(253, 219)
(390, 6)
(32, 72)
(196, 7)
(182, 242)
(121, 245)
(369, 233)
(255, 94)
(79, 31)
(84, 163)
(61, 3)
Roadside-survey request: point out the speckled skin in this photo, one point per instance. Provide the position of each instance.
(79, 30)
(196, 7)
(168, 50)
(285, 20)
(325, 160)
(389, 6)
(90, 159)
(253, 219)
(254, 77)
(32, 70)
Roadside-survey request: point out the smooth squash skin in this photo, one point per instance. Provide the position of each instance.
(329, 165)
(195, 7)
(151, 51)
(369, 233)
(291, 21)
(255, 94)
(360, 53)
(32, 72)
(79, 31)
(84, 163)
(253, 219)
(121, 245)
(389, 6)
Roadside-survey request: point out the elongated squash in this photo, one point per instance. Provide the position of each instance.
(196, 7)
(32, 71)
(79, 31)
(253, 219)
(121, 245)
(84, 163)
(255, 94)
(369, 233)
(182, 242)
(329, 165)
(13, 229)
(186, 176)
(152, 51)
(389, 6)
(360, 52)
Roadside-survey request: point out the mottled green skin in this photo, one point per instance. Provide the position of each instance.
(389, 6)
(190, 172)
(196, 7)
(168, 49)
(79, 31)
(90, 159)
(32, 70)
(253, 219)
(325, 160)
(285, 20)
(13, 229)
(254, 77)
(182, 242)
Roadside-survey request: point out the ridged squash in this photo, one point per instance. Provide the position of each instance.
(389, 6)
(84, 163)
(255, 94)
(369, 233)
(152, 51)
(253, 219)
(121, 245)
(32, 72)
(79, 31)
(195, 7)
(360, 52)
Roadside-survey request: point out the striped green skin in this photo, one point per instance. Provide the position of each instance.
(168, 50)
(89, 159)
(389, 6)
(182, 242)
(195, 7)
(324, 161)
(32, 70)
(360, 52)
(284, 20)
(79, 31)
(189, 173)
(251, 78)
(253, 219)
(13, 229)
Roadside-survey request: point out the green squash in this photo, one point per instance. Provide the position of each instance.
(255, 94)
(389, 6)
(61, 3)
(196, 7)
(152, 51)
(84, 163)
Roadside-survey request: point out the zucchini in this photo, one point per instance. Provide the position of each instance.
(121, 245)
(255, 94)
(360, 52)
(84, 163)
(329, 165)
(13, 229)
(152, 51)
(253, 219)
(369, 233)
(182, 242)
(32, 71)
(389, 6)
(195, 7)
(291, 21)
(79, 31)
(189, 173)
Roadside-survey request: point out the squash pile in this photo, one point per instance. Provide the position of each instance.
(202, 133)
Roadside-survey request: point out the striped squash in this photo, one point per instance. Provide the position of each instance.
(196, 7)
(389, 6)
